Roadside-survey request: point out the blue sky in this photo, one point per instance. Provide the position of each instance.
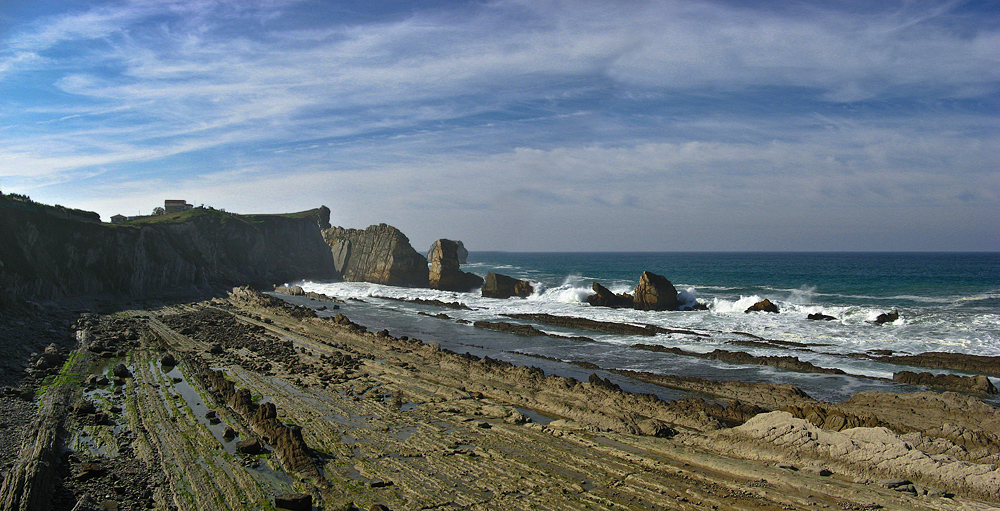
(521, 125)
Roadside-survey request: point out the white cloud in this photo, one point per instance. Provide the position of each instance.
(564, 108)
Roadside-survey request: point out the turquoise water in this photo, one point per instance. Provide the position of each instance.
(947, 302)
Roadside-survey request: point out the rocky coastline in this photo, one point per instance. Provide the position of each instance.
(219, 397)
(124, 394)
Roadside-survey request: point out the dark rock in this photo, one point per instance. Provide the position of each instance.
(887, 317)
(121, 371)
(380, 254)
(89, 470)
(817, 470)
(954, 361)
(655, 292)
(820, 317)
(249, 446)
(294, 501)
(764, 305)
(205, 250)
(978, 384)
(229, 432)
(445, 273)
(216, 349)
(168, 360)
(656, 428)
(603, 297)
(502, 286)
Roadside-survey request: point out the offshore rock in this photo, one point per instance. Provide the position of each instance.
(445, 273)
(380, 254)
(764, 305)
(887, 317)
(655, 292)
(198, 251)
(461, 252)
(502, 286)
(604, 297)
(978, 384)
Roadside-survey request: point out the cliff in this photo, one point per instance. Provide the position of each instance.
(380, 254)
(196, 251)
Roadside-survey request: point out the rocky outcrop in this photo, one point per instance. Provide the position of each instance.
(286, 439)
(502, 286)
(603, 297)
(655, 292)
(955, 361)
(764, 305)
(380, 254)
(445, 274)
(887, 317)
(461, 252)
(201, 251)
(978, 384)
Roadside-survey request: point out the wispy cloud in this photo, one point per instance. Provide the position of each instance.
(664, 106)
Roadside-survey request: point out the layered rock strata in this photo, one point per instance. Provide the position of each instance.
(502, 286)
(380, 254)
(196, 252)
(445, 274)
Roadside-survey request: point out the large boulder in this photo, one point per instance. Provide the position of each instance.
(380, 254)
(655, 292)
(445, 257)
(603, 297)
(502, 286)
(764, 305)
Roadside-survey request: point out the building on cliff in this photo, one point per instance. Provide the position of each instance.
(173, 206)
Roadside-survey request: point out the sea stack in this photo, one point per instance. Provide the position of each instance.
(502, 286)
(655, 292)
(445, 274)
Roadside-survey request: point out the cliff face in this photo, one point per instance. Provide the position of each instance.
(380, 254)
(195, 251)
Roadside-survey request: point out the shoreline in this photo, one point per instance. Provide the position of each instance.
(404, 424)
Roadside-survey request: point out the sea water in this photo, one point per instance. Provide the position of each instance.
(947, 302)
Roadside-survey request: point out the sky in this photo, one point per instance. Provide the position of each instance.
(521, 125)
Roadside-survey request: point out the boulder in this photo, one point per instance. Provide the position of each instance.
(168, 360)
(502, 286)
(121, 371)
(249, 446)
(294, 501)
(887, 317)
(603, 297)
(764, 305)
(820, 317)
(445, 273)
(655, 292)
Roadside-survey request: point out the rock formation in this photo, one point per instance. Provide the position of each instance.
(200, 252)
(462, 252)
(655, 292)
(380, 254)
(978, 384)
(502, 286)
(887, 317)
(603, 297)
(445, 274)
(764, 305)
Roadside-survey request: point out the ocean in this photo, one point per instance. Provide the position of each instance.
(947, 302)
